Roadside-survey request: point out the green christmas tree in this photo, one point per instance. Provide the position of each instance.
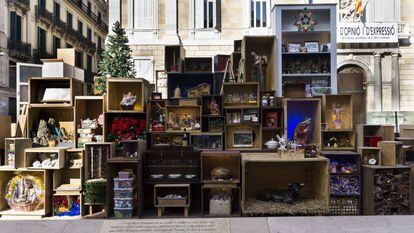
(116, 59)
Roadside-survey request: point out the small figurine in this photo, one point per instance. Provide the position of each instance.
(336, 111)
(214, 107)
(177, 92)
(128, 101)
(282, 142)
(301, 132)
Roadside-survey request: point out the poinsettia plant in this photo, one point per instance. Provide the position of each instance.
(123, 128)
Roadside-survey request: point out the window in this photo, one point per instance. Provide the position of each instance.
(99, 42)
(99, 17)
(56, 10)
(79, 59)
(69, 19)
(80, 27)
(144, 14)
(144, 68)
(207, 14)
(89, 7)
(56, 45)
(41, 39)
(41, 4)
(15, 26)
(89, 34)
(258, 13)
(69, 46)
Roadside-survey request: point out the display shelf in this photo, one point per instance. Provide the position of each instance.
(165, 139)
(117, 87)
(161, 201)
(379, 184)
(241, 95)
(156, 115)
(220, 62)
(178, 118)
(113, 168)
(74, 158)
(45, 206)
(309, 117)
(88, 107)
(14, 152)
(96, 156)
(198, 64)
(174, 58)
(187, 81)
(67, 179)
(212, 163)
(338, 112)
(312, 172)
(291, 44)
(213, 124)
(294, 90)
(42, 153)
(370, 135)
(218, 207)
(54, 98)
(338, 140)
(391, 153)
(207, 141)
(243, 116)
(212, 105)
(243, 137)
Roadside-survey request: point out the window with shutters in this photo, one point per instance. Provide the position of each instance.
(207, 14)
(145, 14)
(15, 26)
(144, 68)
(258, 13)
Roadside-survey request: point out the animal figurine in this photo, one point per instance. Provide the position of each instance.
(285, 196)
(301, 132)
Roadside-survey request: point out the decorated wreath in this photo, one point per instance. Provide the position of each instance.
(305, 21)
(25, 192)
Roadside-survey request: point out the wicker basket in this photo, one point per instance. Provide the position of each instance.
(220, 202)
(172, 201)
(344, 206)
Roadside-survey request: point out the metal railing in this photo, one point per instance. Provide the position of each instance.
(44, 14)
(84, 8)
(19, 48)
(39, 54)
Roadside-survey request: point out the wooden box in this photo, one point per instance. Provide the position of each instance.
(220, 62)
(207, 100)
(161, 190)
(75, 158)
(376, 201)
(235, 60)
(32, 154)
(232, 190)
(241, 94)
(174, 58)
(179, 116)
(15, 146)
(6, 130)
(165, 139)
(254, 141)
(44, 209)
(370, 155)
(207, 141)
(294, 90)
(226, 159)
(391, 153)
(407, 130)
(91, 107)
(38, 86)
(338, 112)
(63, 116)
(262, 46)
(68, 179)
(75, 198)
(198, 64)
(95, 161)
(156, 115)
(259, 171)
(299, 111)
(117, 87)
(369, 135)
(187, 81)
(345, 140)
(114, 167)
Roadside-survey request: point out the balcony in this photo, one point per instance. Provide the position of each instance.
(59, 24)
(19, 49)
(39, 54)
(45, 15)
(22, 4)
(86, 42)
(88, 13)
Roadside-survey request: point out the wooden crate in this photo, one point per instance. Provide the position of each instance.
(37, 87)
(43, 210)
(68, 179)
(233, 190)
(32, 153)
(338, 108)
(160, 190)
(261, 45)
(220, 62)
(259, 171)
(174, 58)
(377, 132)
(116, 87)
(256, 132)
(88, 107)
(372, 205)
(198, 64)
(64, 116)
(328, 134)
(173, 111)
(114, 166)
(78, 198)
(391, 153)
(297, 111)
(205, 101)
(248, 94)
(20, 144)
(207, 141)
(155, 113)
(370, 152)
(294, 90)
(226, 159)
(97, 170)
(6, 130)
(407, 130)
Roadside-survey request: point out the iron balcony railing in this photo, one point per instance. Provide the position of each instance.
(88, 12)
(18, 48)
(44, 14)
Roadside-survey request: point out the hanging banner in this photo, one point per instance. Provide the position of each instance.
(350, 32)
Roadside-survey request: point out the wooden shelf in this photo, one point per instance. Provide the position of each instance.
(305, 53)
(307, 75)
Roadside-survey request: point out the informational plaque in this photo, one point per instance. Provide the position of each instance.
(167, 226)
(352, 32)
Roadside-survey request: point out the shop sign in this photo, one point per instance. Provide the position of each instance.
(354, 32)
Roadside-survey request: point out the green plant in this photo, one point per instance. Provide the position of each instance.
(95, 192)
(116, 59)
